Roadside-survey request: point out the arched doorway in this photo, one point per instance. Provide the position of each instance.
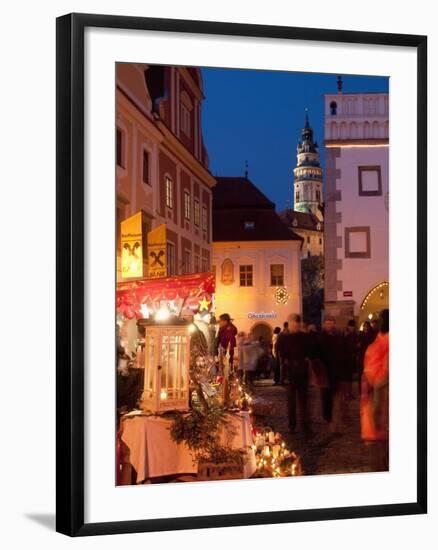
(262, 330)
(373, 303)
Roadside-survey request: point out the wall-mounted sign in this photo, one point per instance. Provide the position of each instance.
(227, 272)
(132, 247)
(262, 315)
(157, 243)
(347, 293)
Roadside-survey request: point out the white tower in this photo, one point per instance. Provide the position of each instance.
(308, 174)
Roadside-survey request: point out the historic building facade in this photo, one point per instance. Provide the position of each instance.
(306, 219)
(356, 222)
(162, 164)
(256, 258)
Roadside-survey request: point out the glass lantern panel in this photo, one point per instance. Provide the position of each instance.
(173, 366)
(183, 365)
(164, 367)
(150, 365)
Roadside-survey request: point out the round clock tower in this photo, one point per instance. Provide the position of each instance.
(308, 174)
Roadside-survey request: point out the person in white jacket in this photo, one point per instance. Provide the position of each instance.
(250, 352)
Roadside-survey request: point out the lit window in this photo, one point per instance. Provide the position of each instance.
(196, 212)
(249, 225)
(277, 274)
(146, 167)
(169, 192)
(170, 249)
(246, 275)
(186, 205)
(204, 218)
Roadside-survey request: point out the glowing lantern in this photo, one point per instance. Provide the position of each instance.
(167, 361)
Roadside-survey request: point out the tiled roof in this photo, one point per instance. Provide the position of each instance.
(237, 192)
(241, 212)
(304, 220)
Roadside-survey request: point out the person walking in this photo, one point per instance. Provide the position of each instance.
(292, 349)
(251, 352)
(332, 354)
(374, 402)
(226, 338)
(366, 337)
(351, 343)
(277, 369)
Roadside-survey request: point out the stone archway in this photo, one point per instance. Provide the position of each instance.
(373, 303)
(262, 329)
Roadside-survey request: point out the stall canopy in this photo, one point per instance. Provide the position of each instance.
(194, 291)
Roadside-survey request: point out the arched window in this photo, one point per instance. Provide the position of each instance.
(333, 130)
(376, 129)
(353, 130)
(333, 108)
(366, 129)
(343, 131)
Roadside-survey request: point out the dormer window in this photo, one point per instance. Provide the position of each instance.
(249, 225)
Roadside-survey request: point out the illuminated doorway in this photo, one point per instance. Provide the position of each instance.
(373, 303)
(262, 330)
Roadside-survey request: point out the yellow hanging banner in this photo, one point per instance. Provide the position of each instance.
(157, 241)
(132, 247)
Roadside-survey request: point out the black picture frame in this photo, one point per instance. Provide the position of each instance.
(70, 272)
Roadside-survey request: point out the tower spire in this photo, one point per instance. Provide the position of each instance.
(308, 173)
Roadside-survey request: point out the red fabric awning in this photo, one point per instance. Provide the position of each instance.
(191, 288)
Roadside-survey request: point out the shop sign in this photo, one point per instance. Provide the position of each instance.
(157, 261)
(262, 315)
(132, 247)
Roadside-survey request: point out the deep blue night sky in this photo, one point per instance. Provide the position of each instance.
(258, 115)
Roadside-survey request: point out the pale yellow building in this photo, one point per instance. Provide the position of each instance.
(256, 259)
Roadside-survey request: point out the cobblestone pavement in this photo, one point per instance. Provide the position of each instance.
(323, 452)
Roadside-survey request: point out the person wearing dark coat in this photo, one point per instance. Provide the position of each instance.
(332, 354)
(292, 348)
(277, 368)
(351, 344)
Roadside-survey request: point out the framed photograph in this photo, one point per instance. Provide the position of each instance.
(241, 274)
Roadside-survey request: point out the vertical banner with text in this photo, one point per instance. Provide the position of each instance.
(132, 246)
(157, 241)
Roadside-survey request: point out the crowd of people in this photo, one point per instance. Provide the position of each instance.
(332, 360)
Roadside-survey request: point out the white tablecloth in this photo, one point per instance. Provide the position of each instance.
(153, 453)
